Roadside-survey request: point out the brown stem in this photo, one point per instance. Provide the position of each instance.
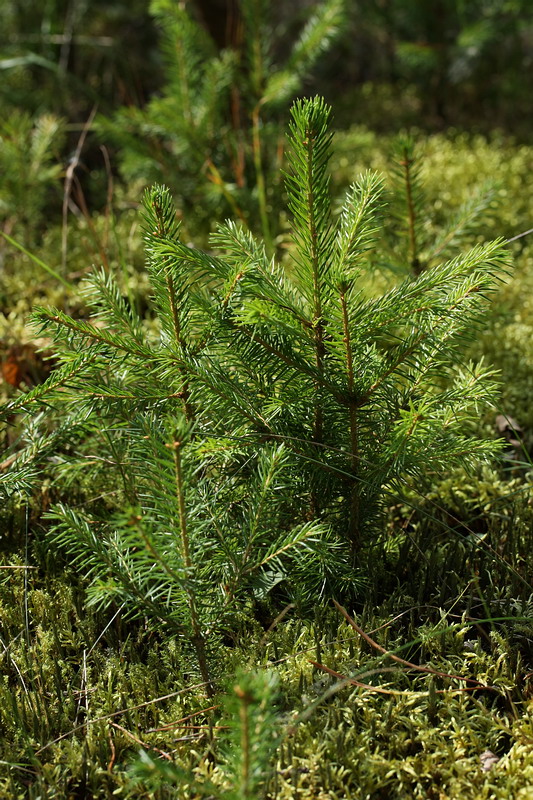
(353, 530)
(394, 657)
(215, 177)
(246, 700)
(185, 392)
(197, 638)
(260, 178)
(318, 425)
(176, 322)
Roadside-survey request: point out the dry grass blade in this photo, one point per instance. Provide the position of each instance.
(179, 722)
(345, 679)
(138, 741)
(118, 713)
(69, 178)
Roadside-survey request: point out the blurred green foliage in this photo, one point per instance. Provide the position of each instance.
(31, 168)
(67, 55)
(445, 63)
(437, 64)
(213, 133)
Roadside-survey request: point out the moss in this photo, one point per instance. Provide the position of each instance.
(78, 703)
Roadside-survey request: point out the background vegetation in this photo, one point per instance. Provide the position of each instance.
(214, 431)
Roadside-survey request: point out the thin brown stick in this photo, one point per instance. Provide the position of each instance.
(178, 722)
(346, 680)
(111, 762)
(260, 176)
(140, 741)
(69, 178)
(99, 245)
(7, 463)
(353, 681)
(399, 660)
(278, 619)
(518, 236)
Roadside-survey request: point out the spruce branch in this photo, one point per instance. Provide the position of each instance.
(468, 215)
(316, 37)
(165, 227)
(410, 198)
(308, 200)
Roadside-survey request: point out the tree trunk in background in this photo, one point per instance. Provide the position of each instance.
(221, 20)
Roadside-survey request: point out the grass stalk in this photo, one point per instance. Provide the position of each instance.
(36, 260)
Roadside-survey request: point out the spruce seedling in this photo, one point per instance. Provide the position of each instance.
(255, 437)
(412, 244)
(249, 745)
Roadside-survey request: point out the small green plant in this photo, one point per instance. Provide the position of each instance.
(253, 437)
(412, 241)
(31, 171)
(248, 748)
